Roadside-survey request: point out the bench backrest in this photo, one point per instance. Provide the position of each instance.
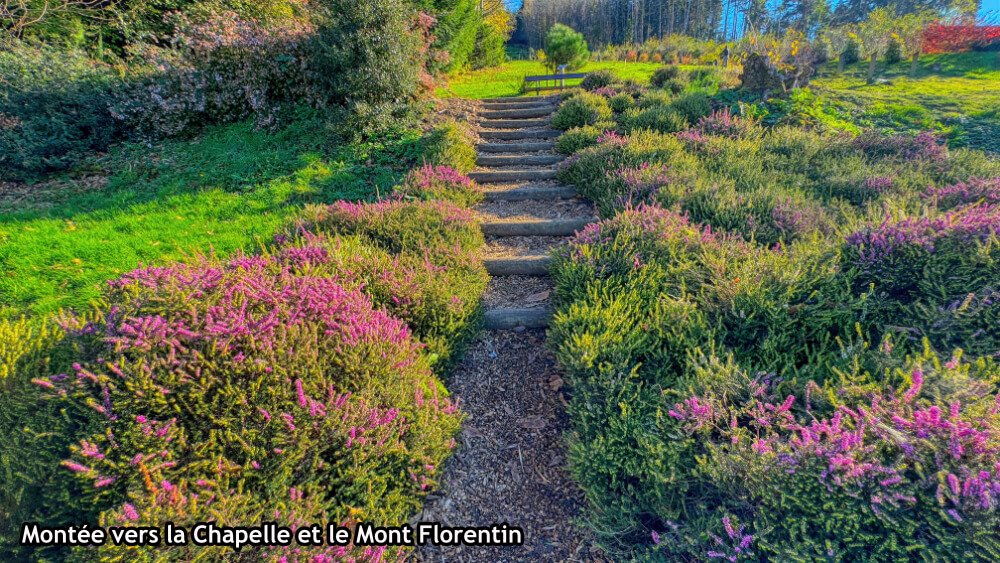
(547, 77)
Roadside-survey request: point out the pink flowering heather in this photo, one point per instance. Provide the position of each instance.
(976, 190)
(642, 183)
(723, 123)
(878, 184)
(298, 375)
(923, 147)
(612, 138)
(606, 91)
(440, 183)
(964, 226)
(865, 451)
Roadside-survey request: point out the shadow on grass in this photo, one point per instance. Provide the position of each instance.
(229, 189)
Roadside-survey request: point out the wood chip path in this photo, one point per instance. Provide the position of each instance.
(510, 465)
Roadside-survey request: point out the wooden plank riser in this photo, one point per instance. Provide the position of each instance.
(554, 228)
(534, 266)
(525, 194)
(501, 148)
(513, 176)
(519, 135)
(519, 160)
(510, 319)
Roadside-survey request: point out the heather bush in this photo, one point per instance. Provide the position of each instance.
(581, 110)
(620, 103)
(431, 228)
(811, 480)
(440, 183)
(450, 144)
(38, 435)
(757, 295)
(577, 138)
(317, 398)
(598, 79)
(692, 106)
(975, 190)
(663, 75)
(662, 119)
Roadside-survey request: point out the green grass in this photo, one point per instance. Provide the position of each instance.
(960, 100)
(507, 79)
(231, 188)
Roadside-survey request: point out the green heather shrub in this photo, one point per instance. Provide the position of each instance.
(419, 261)
(580, 110)
(598, 79)
(38, 434)
(621, 102)
(662, 119)
(692, 106)
(433, 227)
(577, 138)
(450, 144)
(674, 86)
(439, 183)
(663, 75)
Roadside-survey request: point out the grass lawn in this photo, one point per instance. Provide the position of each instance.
(231, 188)
(507, 79)
(961, 100)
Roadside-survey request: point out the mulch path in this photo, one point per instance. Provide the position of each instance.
(510, 463)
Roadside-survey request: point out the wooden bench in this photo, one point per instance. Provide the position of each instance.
(558, 81)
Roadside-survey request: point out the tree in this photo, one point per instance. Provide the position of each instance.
(910, 30)
(838, 40)
(874, 33)
(564, 46)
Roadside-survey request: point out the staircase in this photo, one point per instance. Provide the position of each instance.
(526, 213)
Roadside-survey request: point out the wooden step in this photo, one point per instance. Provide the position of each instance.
(544, 193)
(515, 99)
(516, 147)
(535, 266)
(520, 135)
(513, 123)
(519, 113)
(494, 176)
(519, 160)
(510, 319)
(536, 228)
(530, 104)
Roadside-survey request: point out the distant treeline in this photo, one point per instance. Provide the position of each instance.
(617, 22)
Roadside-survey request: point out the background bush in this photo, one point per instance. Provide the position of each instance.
(450, 144)
(581, 110)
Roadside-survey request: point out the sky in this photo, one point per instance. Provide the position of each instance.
(990, 7)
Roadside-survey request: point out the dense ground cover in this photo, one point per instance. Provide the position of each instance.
(781, 340)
